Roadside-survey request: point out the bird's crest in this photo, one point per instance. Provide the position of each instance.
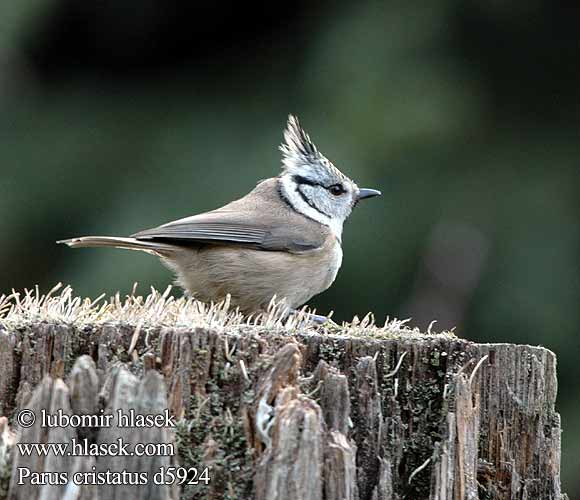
(298, 149)
(298, 143)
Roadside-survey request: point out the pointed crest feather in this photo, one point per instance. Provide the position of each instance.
(297, 142)
(298, 150)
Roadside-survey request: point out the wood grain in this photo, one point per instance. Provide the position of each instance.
(279, 416)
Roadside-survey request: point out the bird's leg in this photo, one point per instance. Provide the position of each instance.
(315, 318)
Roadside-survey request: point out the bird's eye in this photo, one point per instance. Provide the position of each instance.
(337, 189)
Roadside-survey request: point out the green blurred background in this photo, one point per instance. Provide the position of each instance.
(117, 116)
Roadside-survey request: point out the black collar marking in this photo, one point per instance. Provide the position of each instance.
(302, 180)
(310, 203)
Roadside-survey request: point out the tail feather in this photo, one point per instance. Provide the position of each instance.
(151, 247)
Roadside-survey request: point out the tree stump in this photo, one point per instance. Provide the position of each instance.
(268, 409)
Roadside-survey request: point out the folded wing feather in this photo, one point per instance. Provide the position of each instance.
(231, 227)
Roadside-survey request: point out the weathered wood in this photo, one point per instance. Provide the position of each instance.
(286, 412)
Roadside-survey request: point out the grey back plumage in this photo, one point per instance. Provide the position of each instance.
(259, 220)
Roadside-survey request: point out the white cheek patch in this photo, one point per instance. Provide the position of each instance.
(289, 191)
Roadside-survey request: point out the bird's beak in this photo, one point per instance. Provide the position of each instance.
(368, 193)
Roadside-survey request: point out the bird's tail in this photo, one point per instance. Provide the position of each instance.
(151, 247)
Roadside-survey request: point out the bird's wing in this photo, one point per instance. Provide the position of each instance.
(234, 227)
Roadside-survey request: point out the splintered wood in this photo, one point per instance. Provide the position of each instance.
(278, 416)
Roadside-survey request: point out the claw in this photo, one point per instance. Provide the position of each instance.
(315, 318)
(318, 319)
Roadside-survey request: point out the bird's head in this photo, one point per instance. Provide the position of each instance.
(312, 185)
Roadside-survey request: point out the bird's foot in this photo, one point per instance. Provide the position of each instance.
(314, 318)
(317, 318)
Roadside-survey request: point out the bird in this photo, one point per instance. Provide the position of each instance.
(282, 240)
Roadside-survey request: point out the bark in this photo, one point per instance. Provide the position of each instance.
(284, 416)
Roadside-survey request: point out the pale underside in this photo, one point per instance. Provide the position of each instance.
(253, 249)
(253, 277)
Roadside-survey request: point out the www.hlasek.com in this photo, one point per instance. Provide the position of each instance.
(84, 447)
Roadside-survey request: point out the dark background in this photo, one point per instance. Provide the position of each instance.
(117, 116)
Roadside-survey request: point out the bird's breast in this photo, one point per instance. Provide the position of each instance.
(334, 262)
